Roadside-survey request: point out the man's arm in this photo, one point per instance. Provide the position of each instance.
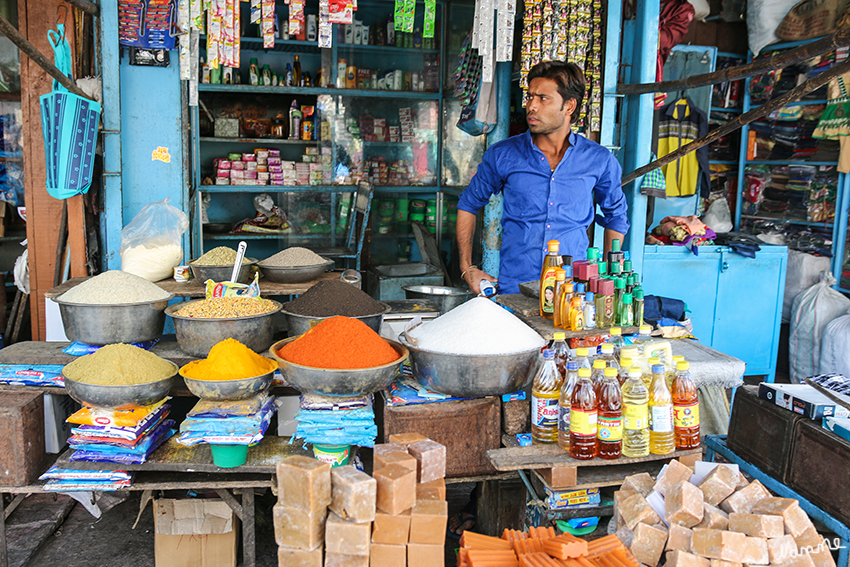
(610, 235)
(609, 195)
(465, 228)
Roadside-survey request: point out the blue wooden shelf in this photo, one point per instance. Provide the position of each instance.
(721, 109)
(781, 219)
(385, 49)
(262, 236)
(276, 188)
(274, 141)
(315, 91)
(789, 162)
(796, 103)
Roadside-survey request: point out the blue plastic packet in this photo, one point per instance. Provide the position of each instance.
(32, 375)
(77, 348)
(523, 439)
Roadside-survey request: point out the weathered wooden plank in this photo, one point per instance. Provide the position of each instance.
(548, 456)
(528, 309)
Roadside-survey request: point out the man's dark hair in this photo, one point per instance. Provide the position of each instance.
(570, 80)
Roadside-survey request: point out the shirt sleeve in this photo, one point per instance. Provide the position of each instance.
(486, 182)
(611, 199)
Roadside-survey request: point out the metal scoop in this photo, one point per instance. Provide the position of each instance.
(240, 255)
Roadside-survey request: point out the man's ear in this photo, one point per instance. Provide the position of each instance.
(570, 106)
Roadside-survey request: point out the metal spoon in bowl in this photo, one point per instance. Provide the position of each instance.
(237, 265)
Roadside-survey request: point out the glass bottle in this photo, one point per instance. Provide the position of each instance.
(583, 418)
(685, 408)
(635, 416)
(564, 302)
(619, 290)
(560, 280)
(583, 358)
(597, 374)
(552, 261)
(638, 307)
(294, 121)
(296, 70)
(254, 72)
(626, 316)
(561, 351)
(616, 256)
(576, 314)
(589, 311)
(565, 404)
(661, 438)
(609, 430)
(605, 304)
(545, 392)
(289, 77)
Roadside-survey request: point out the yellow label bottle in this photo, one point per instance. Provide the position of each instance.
(545, 393)
(552, 261)
(560, 281)
(635, 416)
(661, 438)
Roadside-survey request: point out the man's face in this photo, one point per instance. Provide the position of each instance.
(545, 110)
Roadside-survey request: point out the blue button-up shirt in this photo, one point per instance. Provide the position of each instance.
(542, 205)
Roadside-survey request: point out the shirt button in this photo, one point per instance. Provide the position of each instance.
(551, 203)
(548, 226)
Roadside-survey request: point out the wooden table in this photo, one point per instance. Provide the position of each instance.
(175, 467)
(194, 288)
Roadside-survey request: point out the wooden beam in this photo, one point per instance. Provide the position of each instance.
(7, 29)
(793, 95)
(86, 6)
(841, 38)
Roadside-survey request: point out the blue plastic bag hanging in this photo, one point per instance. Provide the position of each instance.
(69, 125)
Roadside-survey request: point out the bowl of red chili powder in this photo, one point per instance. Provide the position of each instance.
(340, 356)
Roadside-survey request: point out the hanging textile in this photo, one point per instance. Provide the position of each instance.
(835, 121)
(680, 123)
(69, 125)
(673, 23)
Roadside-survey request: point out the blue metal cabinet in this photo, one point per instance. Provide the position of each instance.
(735, 302)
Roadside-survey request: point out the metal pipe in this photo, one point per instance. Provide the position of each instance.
(86, 6)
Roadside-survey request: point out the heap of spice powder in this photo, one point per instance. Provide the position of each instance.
(333, 297)
(339, 342)
(221, 256)
(229, 360)
(119, 365)
(227, 308)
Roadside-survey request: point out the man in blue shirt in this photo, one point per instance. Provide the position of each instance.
(552, 180)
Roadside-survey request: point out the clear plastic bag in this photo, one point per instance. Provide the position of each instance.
(151, 245)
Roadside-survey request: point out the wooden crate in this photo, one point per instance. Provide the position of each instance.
(819, 468)
(762, 432)
(466, 427)
(22, 453)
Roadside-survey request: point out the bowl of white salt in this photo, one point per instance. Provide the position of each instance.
(477, 349)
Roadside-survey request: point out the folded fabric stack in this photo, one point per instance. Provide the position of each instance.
(68, 480)
(113, 436)
(242, 422)
(333, 421)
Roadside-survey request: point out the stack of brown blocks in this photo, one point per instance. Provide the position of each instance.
(342, 517)
(724, 521)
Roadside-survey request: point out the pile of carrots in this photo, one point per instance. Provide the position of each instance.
(540, 547)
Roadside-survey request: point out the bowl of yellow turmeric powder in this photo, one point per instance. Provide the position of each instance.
(232, 371)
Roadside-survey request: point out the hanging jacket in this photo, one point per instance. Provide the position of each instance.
(680, 123)
(673, 22)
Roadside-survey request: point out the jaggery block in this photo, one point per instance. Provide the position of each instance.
(425, 555)
(404, 459)
(795, 518)
(721, 563)
(801, 560)
(641, 482)
(713, 518)
(396, 489)
(625, 535)
(428, 521)
(683, 505)
(822, 557)
(381, 448)
(346, 537)
(635, 510)
(304, 483)
(742, 481)
(431, 459)
(679, 558)
(781, 549)
(743, 500)
(389, 529)
(294, 557)
(648, 543)
(809, 538)
(719, 484)
(678, 537)
(434, 490)
(619, 497)
(353, 494)
(386, 555)
(560, 477)
(406, 439)
(340, 560)
(757, 525)
(755, 551)
(674, 473)
(294, 527)
(718, 544)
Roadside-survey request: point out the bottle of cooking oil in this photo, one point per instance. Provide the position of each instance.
(565, 405)
(606, 353)
(560, 280)
(623, 373)
(583, 418)
(685, 408)
(576, 314)
(564, 302)
(551, 262)
(632, 353)
(671, 370)
(661, 438)
(644, 332)
(583, 358)
(544, 401)
(647, 374)
(635, 415)
(562, 352)
(597, 374)
(609, 430)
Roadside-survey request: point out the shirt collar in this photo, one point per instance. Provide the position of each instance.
(572, 137)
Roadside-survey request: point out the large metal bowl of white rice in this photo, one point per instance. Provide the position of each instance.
(114, 307)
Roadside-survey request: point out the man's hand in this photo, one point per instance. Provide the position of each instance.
(473, 277)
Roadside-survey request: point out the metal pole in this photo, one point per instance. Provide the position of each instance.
(38, 58)
(86, 6)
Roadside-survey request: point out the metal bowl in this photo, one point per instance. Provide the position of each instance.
(295, 274)
(472, 376)
(122, 397)
(228, 390)
(222, 273)
(108, 324)
(300, 324)
(196, 336)
(336, 382)
(446, 298)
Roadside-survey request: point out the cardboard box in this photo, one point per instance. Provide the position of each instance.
(803, 399)
(838, 425)
(194, 533)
